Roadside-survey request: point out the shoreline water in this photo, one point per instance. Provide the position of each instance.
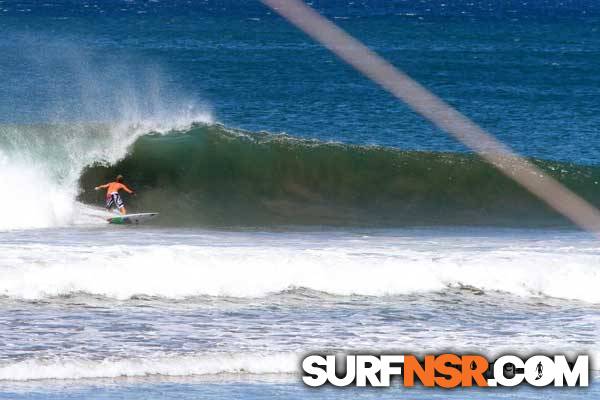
(259, 387)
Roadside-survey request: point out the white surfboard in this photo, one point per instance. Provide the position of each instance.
(127, 219)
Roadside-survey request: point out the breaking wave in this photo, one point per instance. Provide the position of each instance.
(198, 173)
(212, 175)
(40, 165)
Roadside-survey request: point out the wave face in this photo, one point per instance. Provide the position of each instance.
(212, 175)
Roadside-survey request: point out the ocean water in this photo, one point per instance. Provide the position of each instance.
(302, 208)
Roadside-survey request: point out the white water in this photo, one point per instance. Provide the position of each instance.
(108, 302)
(376, 266)
(183, 365)
(169, 366)
(40, 165)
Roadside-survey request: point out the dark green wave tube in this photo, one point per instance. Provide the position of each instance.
(213, 176)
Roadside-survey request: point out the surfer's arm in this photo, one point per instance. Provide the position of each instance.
(101, 187)
(125, 188)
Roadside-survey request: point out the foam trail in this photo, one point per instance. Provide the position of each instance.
(184, 365)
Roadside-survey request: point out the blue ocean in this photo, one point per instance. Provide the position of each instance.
(303, 209)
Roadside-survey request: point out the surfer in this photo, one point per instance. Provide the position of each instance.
(113, 199)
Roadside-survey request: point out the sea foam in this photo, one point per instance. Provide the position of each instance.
(180, 271)
(40, 165)
(164, 365)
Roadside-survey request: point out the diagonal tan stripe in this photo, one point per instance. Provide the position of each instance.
(439, 113)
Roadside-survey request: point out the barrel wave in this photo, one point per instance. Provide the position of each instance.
(211, 175)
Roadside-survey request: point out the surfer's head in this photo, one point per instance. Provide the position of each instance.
(119, 178)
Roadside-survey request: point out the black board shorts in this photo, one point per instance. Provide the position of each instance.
(114, 200)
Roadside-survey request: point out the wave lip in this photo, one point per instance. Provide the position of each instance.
(165, 365)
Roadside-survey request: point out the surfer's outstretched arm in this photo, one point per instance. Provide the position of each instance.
(101, 187)
(125, 188)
